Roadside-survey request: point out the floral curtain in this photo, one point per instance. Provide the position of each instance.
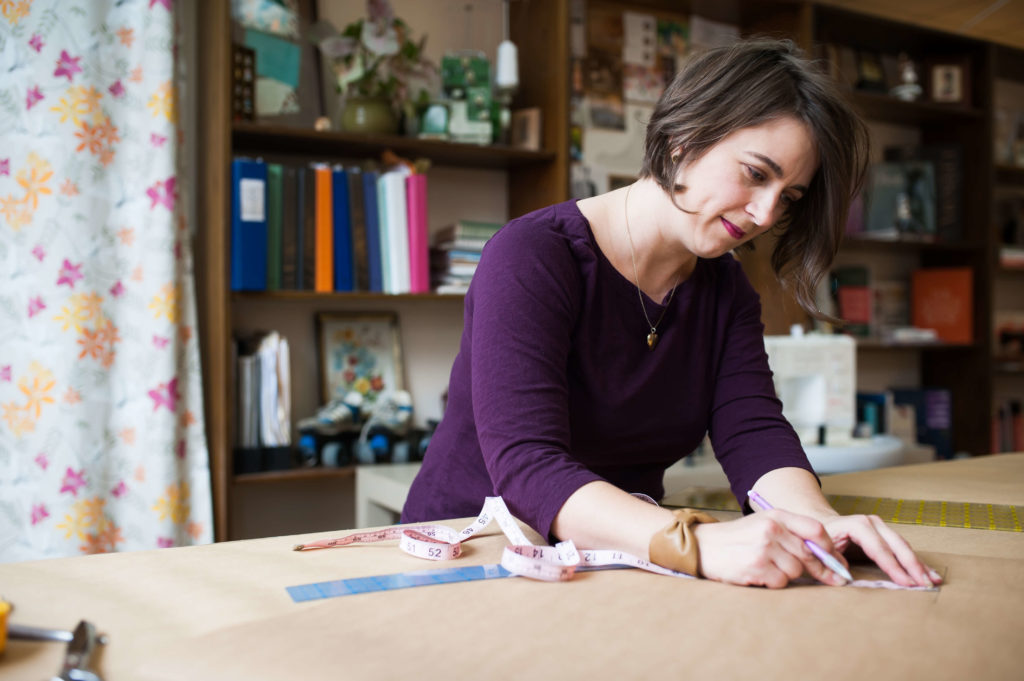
(102, 442)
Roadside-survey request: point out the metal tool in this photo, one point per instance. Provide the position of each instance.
(82, 643)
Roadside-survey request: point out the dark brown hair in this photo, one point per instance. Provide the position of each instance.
(751, 83)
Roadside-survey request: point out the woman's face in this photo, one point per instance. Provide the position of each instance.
(743, 185)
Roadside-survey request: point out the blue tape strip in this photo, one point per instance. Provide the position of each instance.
(401, 580)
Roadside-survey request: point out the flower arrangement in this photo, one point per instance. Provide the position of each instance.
(376, 57)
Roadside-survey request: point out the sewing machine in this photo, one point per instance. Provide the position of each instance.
(816, 379)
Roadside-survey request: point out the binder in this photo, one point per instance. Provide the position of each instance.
(307, 240)
(396, 255)
(290, 223)
(324, 259)
(275, 179)
(419, 244)
(372, 213)
(357, 213)
(340, 207)
(248, 225)
(384, 235)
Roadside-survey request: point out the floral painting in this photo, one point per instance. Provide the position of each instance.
(359, 352)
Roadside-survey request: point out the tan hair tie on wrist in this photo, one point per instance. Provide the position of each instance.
(675, 545)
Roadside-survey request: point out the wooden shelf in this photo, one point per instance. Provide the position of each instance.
(888, 109)
(862, 243)
(255, 138)
(1008, 365)
(294, 474)
(341, 296)
(1006, 174)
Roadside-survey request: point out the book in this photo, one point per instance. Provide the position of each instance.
(306, 242)
(942, 299)
(852, 292)
(876, 410)
(275, 216)
(290, 222)
(394, 225)
(419, 249)
(342, 221)
(891, 306)
(357, 220)
(900, 201)
(383, 237)
(372, 214)
(248, 225)
(466, 234)
(323, 281)
(933, 410)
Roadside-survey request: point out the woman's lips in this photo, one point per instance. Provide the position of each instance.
(734, 231)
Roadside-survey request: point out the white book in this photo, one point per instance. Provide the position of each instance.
(397, 225)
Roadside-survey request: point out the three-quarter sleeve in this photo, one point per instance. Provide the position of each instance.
(748, 432)
(525, 304)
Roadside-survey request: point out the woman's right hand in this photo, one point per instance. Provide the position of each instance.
(764, 549)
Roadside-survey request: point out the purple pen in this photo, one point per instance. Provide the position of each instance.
(824, 556)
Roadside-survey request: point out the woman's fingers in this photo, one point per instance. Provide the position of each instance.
(886, 548)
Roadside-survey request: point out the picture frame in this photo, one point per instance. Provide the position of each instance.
(870, 72)
(358, 351)
(949, 81)
(289, 87)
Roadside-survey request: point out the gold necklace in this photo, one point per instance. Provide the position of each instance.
(652, 335)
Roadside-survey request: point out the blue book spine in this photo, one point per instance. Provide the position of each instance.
(372, 229)
(248, 225)
(342, 219)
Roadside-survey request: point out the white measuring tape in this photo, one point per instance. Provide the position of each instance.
(548, 563)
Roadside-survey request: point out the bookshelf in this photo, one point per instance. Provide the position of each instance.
(525, 180)
(529, 180)
(1008, 279)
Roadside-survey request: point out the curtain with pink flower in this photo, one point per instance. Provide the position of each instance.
(101, 429)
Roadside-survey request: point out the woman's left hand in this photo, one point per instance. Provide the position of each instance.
(885, 547)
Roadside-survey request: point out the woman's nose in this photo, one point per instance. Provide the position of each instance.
(762, 208)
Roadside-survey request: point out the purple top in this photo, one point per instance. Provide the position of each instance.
(554, 385)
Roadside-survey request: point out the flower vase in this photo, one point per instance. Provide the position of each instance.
(369, 115)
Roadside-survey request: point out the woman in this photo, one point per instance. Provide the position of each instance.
(603, 338)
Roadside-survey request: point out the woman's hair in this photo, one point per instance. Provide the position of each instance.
(750, 83)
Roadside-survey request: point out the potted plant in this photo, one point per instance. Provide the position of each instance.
(377, 65)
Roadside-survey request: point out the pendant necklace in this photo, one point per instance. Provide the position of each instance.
(652, 335)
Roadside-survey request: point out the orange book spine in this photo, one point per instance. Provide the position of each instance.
(324, 279)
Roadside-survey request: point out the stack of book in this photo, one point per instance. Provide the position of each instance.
(263, 405)
(456, 254)
(321, 227)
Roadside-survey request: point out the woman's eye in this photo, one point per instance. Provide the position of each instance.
(755, 174)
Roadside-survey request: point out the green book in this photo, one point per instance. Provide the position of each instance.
(275, 175)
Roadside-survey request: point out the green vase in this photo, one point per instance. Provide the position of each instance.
(369, 115)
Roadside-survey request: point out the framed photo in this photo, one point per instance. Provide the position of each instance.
(359, 351)
(289, 80)
(949, 82)
(870, 72)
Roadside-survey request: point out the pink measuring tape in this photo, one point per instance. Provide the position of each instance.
(548, 563)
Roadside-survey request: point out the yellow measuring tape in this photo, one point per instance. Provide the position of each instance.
(965, 514)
